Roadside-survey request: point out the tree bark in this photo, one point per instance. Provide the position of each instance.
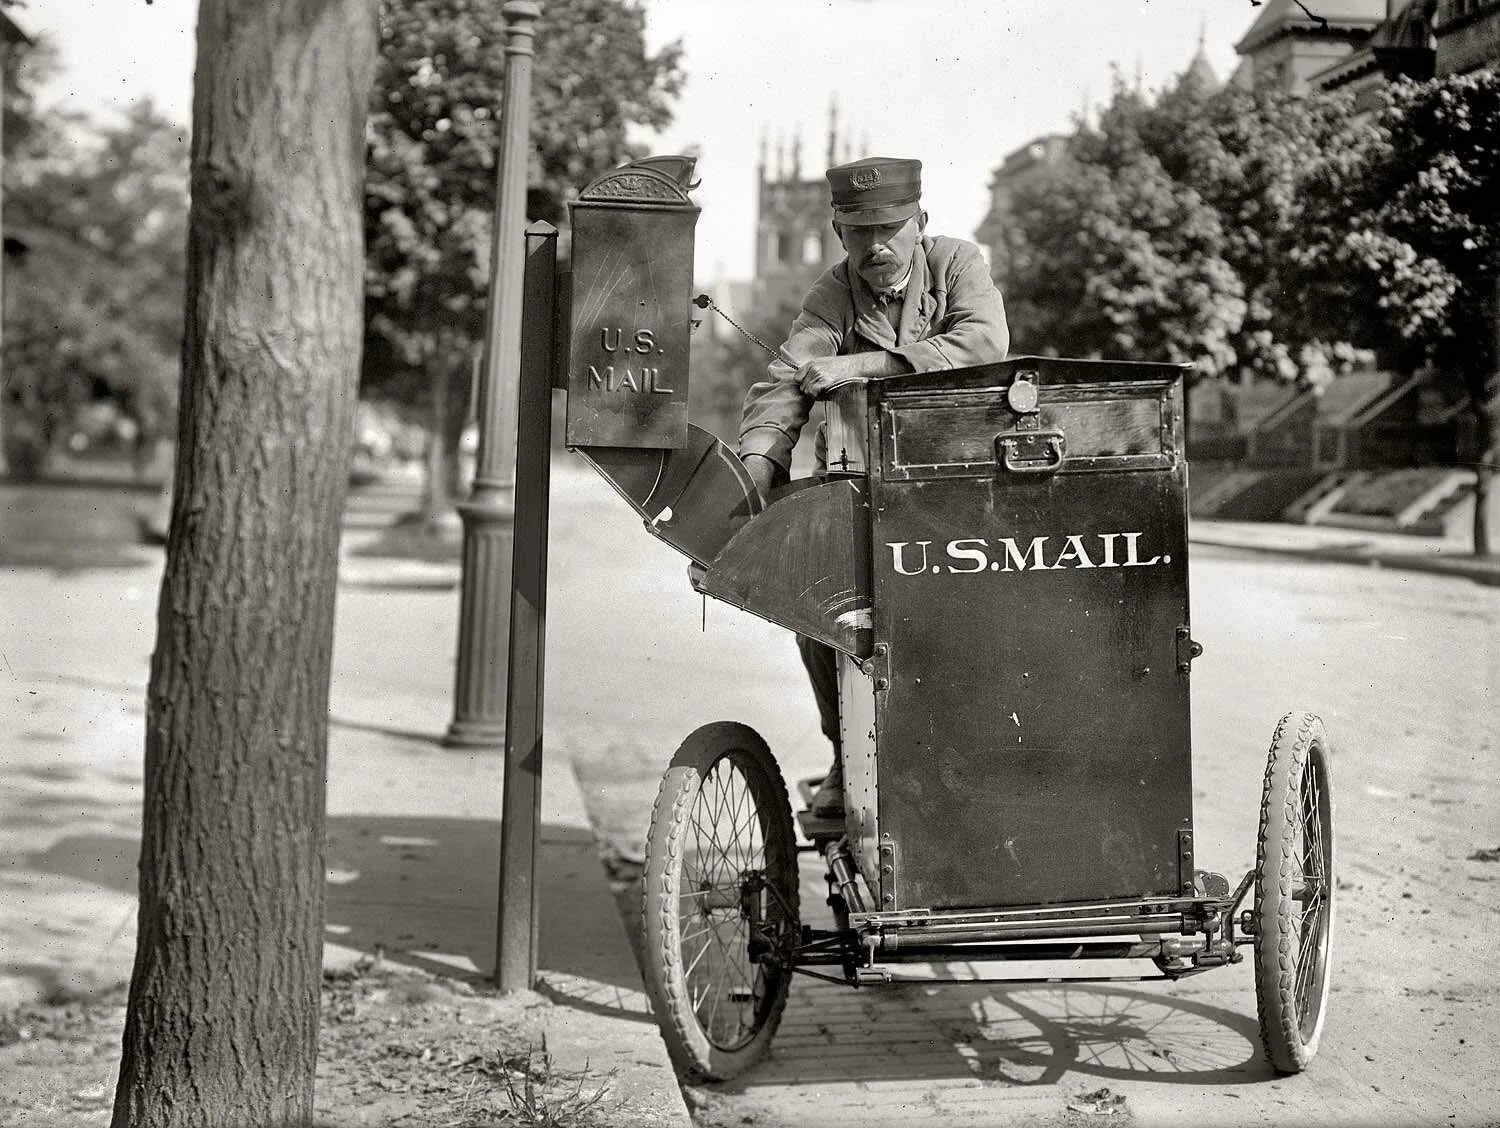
(223, 1012)
(1486, 413)
(1484, 474)
(459, 410)
(437, 495)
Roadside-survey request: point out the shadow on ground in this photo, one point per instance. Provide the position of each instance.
(1011, 1033)
(423, 891)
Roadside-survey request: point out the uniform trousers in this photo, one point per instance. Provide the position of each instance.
(822, 665)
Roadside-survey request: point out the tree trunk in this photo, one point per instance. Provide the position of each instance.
(460, 411)
(437, 498)
(1487, 431)
(1484, 470)
(223, 1013)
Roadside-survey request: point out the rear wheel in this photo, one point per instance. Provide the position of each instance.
(720, 901)
(1294, 886)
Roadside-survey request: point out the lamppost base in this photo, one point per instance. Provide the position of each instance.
(475, 734)
(484, 620)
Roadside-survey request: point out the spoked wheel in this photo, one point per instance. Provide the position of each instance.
(720, 901)
(1294, 885)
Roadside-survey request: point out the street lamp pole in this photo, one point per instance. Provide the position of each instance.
(488, 514)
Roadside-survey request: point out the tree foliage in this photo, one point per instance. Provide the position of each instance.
(1164, 232)
(94, 300)
(1264, 234)
(433, 134)
(1406, 214)
(1404, 241)
(1246, 152)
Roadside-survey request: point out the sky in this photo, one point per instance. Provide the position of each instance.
(955, 83)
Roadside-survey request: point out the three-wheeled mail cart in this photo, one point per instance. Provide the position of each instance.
(1004, 573)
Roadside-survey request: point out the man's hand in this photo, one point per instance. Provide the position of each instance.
(823, 374)
(762, 472)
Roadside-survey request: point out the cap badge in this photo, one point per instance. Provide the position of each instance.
(863, 179)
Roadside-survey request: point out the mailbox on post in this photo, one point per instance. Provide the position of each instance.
(627, 374)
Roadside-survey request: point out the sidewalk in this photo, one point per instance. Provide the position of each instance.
(1350, 546)
(413, 827)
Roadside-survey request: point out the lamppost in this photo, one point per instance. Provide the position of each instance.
(479, 684)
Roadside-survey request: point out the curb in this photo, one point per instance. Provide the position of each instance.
(1479, 571)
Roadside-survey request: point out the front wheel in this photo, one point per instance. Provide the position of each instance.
(720, 901)
(1294, 886)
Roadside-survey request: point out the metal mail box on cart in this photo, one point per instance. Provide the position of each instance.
(1032, 645)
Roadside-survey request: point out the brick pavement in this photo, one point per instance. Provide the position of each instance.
(977, 1053)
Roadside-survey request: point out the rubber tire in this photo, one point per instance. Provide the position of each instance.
(1299, 754)
(694, 1055)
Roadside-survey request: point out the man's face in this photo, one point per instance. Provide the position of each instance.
(881, 254)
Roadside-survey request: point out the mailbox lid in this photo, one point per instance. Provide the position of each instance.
(1112, 415)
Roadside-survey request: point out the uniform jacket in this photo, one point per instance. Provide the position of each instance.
(951, 316)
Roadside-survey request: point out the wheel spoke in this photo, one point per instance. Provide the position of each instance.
(711, 838)
(736, 810)
(691, 967)
(716, 969)
(1312, 809)
(1302, 981)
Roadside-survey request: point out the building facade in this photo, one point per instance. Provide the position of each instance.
(1400, 46)
(1365, 52)
(1022, 166)
(794, 236)
(1289, 44)
(1466, 35)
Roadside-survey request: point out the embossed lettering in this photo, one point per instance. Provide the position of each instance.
(613, 379)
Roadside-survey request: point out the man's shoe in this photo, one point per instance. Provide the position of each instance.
(828, 800)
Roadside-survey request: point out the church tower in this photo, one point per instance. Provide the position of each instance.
(794, 238)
